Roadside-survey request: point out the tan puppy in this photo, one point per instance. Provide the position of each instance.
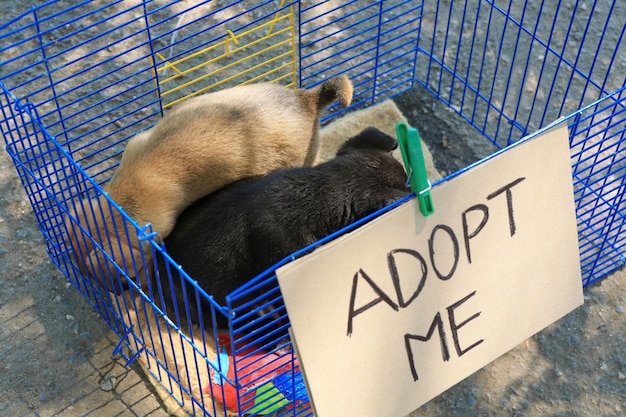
(198, 147)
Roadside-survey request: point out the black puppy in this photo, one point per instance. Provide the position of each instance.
(230, 236)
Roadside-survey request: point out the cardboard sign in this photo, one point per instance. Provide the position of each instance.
(389, 316)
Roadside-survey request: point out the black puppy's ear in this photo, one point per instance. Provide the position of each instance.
(369, 138)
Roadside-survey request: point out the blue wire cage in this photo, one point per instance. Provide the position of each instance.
(78, 79)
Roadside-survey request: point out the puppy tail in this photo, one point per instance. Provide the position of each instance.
(338, 88)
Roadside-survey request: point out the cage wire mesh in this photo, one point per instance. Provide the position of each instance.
(78, 79)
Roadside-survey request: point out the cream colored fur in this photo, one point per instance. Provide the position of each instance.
(198, 147)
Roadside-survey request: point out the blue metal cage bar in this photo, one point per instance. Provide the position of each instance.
(78, 80)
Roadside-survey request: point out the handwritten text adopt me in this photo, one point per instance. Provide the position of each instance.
(448, 323)
(392, 314)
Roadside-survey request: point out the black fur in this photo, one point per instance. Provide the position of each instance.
(230, 236)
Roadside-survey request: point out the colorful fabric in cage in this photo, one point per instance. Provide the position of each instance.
(267, 382)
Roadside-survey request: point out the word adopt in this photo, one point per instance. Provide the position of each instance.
(425, 263)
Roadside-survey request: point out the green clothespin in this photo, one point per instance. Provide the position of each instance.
(411, 147)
